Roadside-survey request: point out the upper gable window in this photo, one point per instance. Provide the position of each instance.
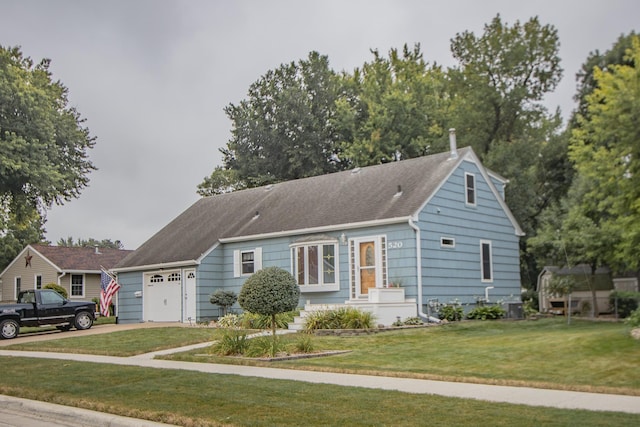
(470, 189)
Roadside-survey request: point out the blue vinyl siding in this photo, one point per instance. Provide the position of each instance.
(129, 307)
(455, 273)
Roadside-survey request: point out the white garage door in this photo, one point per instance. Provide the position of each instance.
(162, 297)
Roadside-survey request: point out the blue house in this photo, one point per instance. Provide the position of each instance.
(391, 238)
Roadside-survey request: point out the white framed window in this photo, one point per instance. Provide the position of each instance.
(470, 188)
(246, 262)
(486, 261)
(77, 285)
(17, 286)
(447, 242)
(315, 266)
(38, 282)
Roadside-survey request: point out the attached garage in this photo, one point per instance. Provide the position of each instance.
(162, 296)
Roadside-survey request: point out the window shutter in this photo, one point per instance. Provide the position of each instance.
(236, 263)
(257, 259)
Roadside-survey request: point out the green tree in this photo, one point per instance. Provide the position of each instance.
(393, 108)
(282, 130)
(43, 145)
(501, 80)
(268, 292)
(605, 147)
(617, 55)
(22, 224)
(90, 243)
(43, 148)
(220, 181)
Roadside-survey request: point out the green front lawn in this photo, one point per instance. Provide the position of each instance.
(590, 356)
(195, 399)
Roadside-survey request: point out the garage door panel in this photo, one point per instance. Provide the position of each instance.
(162, 297)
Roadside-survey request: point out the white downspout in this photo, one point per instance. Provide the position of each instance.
(413, 225)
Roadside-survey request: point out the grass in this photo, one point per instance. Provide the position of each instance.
(584, 356)
(194, 399)
(587, 356)
(123, 343)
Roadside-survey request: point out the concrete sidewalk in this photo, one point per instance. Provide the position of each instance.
(491, 393)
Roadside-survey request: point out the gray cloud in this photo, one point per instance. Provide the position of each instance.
(152, 77)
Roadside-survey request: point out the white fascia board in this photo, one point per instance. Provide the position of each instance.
(313, 230)
(160, 266)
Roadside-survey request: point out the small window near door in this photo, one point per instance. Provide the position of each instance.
(77, 285)
(18, 286)
(38, 282)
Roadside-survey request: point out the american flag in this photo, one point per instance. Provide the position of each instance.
(109, 287)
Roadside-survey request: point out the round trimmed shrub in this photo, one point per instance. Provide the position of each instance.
(270, 291)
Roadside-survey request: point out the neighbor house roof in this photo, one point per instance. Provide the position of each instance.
(364, 195)
(81, 258)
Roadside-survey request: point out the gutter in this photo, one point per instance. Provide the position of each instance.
(413, 225)
(160, 266)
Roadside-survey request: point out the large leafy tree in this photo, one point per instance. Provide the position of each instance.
(605, 148)
(43, 148)
(501, 80)
(282, 130)
(394, 108)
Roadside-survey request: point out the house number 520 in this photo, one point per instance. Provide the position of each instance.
(394, 245)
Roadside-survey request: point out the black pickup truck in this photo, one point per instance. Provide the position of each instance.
(44, 307)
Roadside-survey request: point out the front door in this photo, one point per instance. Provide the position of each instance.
(189, 311)
(367, 266)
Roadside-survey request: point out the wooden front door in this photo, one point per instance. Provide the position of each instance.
(367, 266)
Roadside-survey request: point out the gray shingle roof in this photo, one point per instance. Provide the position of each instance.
(81, 258)
(340, 198)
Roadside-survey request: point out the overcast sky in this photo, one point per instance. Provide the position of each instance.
(152, 77)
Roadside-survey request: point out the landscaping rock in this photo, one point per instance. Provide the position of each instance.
(635, 333)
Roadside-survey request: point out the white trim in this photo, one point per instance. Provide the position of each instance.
(473, 203)
(482, 243)
(314, 230)
(160, 266)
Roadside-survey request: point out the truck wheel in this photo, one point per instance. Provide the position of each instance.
(83, 320)
(9, 328)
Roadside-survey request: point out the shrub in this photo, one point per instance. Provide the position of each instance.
(268, 292)
(224, 299)
(264, 347)
(304, 344)
(59, 289)
(487, 312)
(625, 301)
(260, 321)
(341, 318)
(451, 313)
(232, 342)
(229, 321)
(633, 319)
